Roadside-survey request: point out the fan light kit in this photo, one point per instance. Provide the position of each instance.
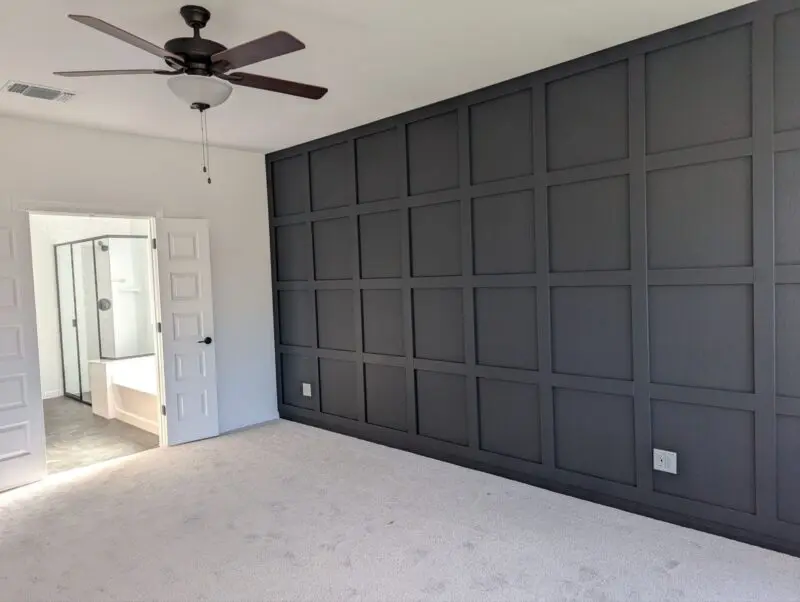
(201, 68)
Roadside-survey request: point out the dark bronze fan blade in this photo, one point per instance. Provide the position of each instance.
(272, 84)
(115, 72)
(255, 51)
(123, 35)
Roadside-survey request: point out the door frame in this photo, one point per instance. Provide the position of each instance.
(33, 209)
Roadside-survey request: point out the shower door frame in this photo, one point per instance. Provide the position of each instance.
(71, 244)
(79, 397)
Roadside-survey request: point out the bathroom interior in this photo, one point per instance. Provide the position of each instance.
(96, 313)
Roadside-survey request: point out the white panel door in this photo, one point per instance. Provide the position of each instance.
(187, 325)
(22, 446)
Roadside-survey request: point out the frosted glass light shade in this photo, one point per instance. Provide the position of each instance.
(200, 89)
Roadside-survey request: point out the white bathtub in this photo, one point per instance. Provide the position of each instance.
(126, 390)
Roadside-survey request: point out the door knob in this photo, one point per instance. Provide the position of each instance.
(206, 340)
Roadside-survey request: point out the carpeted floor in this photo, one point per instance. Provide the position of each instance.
(288, 512)
(76, 437)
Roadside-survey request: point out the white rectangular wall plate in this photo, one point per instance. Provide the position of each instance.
(665, 461)
(306, 389)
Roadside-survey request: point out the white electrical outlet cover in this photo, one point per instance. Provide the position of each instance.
(665, 461)
(306, 389)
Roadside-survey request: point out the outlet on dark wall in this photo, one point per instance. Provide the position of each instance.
(550, 277)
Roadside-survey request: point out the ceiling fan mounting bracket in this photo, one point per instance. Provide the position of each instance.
(196, 17)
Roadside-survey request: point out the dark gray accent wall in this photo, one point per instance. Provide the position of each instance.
(550, 277)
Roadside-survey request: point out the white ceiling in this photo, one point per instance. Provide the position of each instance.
(378, 57)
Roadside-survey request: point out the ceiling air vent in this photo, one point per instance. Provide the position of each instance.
(34, 91)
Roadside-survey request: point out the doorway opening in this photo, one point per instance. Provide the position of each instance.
(95, 293)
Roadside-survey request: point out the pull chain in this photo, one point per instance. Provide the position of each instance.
(208, 150)
(204, 139)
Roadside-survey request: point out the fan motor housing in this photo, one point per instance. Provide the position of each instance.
(196, 52)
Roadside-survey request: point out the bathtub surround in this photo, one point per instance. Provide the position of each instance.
(127, 390)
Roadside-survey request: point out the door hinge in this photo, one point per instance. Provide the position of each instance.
(155, 246)
(158, 327)
(163, 410)
(74, 322)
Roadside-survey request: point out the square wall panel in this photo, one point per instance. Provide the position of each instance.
(787, 342)
(380, 237)
(594, 434)
(439, 324)
(503, 233)
(333, 249)
(591, 330)
(296, 319)
(702, 336)
(386, 396)
(787, 208)
(701, 216)
(332, 177)
(590, 226)
(787, 76)
(290, 186)
(789, 469)
(432, 147)
(698, 92)
(716, 453)
(293, 247)
(442, 406)
(509, 419)
(436, 240)
(383, 321)
(501, 137)
(587, 117)
(377, 161)
(338, 388)
(336, 320)
(295, 371)
(505, 323)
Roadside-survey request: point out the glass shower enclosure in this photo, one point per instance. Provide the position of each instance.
(105, 305)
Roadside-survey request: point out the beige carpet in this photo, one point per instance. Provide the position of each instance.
(288, 512)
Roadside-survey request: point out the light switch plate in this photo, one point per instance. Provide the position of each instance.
(665, 461)
(306, 389)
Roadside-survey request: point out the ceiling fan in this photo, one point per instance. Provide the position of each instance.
(198, 61)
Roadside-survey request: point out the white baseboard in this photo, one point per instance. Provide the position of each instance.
(52, 394)
(137, 421)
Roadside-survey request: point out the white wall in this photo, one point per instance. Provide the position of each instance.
(48, 230)
(48, 166)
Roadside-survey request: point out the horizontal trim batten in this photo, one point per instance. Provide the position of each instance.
(695, 276)
(696, 155)
(730, 400)
(592, 383)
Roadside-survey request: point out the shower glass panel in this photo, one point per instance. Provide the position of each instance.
(105, 305)
(125, 298)
(68, 321)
